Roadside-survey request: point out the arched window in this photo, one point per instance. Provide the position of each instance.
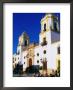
(55, 26)
(25, 42)
(58, 50)
(44, 27)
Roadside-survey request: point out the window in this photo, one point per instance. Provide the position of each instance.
(37, 61)
(58, 51)
(37, 54)
(55, 26)
(44, 41)
(18, 58)
(44, 51)
(25, 42)
(44, 27)
(24, 62)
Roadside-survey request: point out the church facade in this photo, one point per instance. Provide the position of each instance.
(46, 53)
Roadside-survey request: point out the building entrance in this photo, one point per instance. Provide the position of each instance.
(45, 65)
(30, 62)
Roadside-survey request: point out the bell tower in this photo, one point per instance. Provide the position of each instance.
(23, 40)
(49, 29)
(49, 22)
(23, 43)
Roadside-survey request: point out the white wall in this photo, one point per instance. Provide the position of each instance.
(51, 52)
(37, 49)
(24, 54)
(47, 35)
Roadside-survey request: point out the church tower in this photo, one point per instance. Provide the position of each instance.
(24, 40)
(49, 29)
(22, 44)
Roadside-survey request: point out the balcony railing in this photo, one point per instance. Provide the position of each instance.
(44, 43)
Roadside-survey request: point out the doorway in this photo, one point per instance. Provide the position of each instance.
(30, 62)
(45, 65)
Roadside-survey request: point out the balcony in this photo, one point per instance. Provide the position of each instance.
(44, 43)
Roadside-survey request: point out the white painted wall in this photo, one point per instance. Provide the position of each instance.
(50, 55)
(47, 35)
(38, 49)
(24, 54)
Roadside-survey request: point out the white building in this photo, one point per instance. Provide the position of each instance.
(46, 53)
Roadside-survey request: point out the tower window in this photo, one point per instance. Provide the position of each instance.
(58, 50)
(44, 52)
(24, 62)
(55, 26)
(25, 42)
(44, 41)
(44, 27)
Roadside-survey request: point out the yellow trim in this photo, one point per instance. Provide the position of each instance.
(46, 17)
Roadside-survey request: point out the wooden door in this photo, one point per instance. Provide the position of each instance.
(30, 62)
(44, 65)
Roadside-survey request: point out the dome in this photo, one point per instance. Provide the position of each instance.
(24, 34)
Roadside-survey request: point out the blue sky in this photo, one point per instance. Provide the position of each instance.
(29, 23)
